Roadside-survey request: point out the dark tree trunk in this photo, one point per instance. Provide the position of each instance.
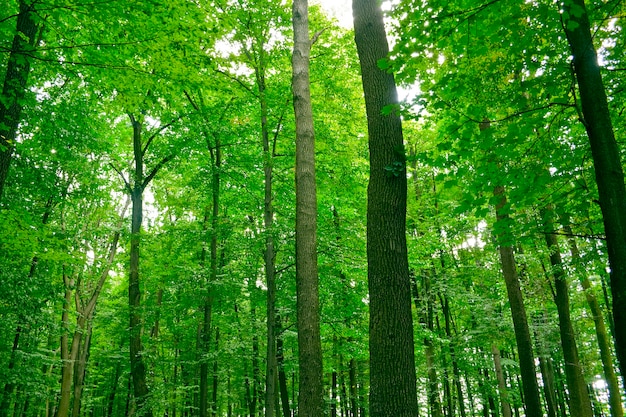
(606, 159)
(137, 366)
(580, 404)
(14, 86)
(530, 388)
(393, 390)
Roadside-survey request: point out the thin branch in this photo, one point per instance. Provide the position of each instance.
(159, 130)
(237, 80)
(126, 183)
(316, 36)
(156, 169)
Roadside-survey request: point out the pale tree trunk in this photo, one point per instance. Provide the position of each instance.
(606, 160)
(504, 401)
(604, 342)
(84, 314)
(81, 369)
(14, 86)
(393, 391)
(579, 402)
(311, 395)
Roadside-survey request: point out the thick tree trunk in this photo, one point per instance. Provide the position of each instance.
(393, 390)
(311, 395)
(604, 343)
(530, 387)
(14, 86)
(579, 405)
(606, 159)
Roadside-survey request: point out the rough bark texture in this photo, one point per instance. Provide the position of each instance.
(579, 403)
(311, 396)
(606, 160)
(14, 86)
(392, 363)
(520, 321)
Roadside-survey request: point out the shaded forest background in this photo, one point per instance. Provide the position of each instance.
(148, 208)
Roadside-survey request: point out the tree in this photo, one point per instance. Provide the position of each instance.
(393, 389)
(311, 397)
(606, 158)
(14, 85)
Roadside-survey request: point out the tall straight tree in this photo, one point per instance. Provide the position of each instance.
(392, 358)
(14, 86)
(606, 160)
(135, 188)
(311, 397)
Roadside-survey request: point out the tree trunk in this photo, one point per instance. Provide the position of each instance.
(14, 86)
(80, 370)
(580, 405)
(84, 315)
(137, 366)
(530, 387)
(282, 377)
(393, 390)
(504, 401)
(606, 159)
(546, 368)
(311, 393)
(604, 342)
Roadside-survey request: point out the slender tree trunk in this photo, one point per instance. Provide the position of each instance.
(354, 411)
(14, 86)
(580, 404)
(423, 305)
(113, 389)
(84, 315)
(80, 370)
(68, 356)
(136, 188)
(311, 395)
(530, 387)
(504, 401)
(604, 342)
(282, 377)
(393, 390)
(215, 376)
(547, 370)
(606, 158)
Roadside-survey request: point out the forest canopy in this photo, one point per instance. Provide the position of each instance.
(226, 208)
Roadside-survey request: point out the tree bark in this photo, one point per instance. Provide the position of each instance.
(530, 387)
(14, 86)
(579, 404)
(604, 342)
(393, 391)
(606, 159)
(504, 401)
(311, 392)
(137, 365)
